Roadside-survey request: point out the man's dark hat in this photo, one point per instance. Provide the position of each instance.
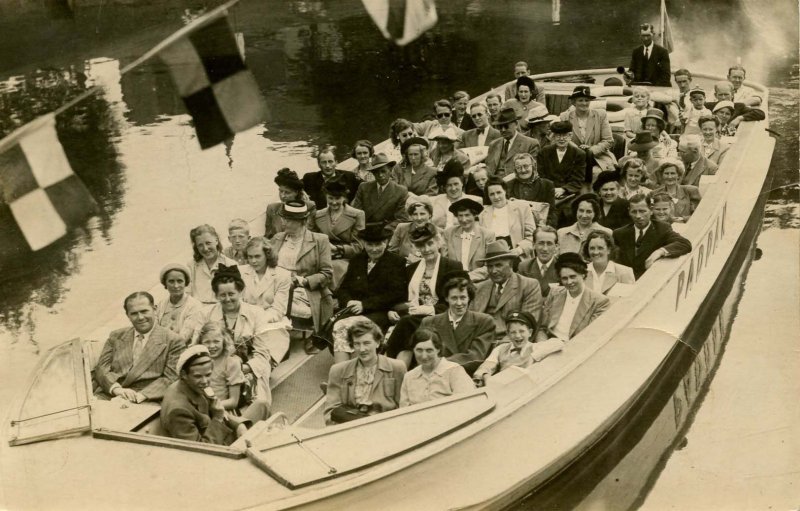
(607, 176)
(423, 233)
(380, 161)
(643, 141)
(294, 210)
(506, 116)
(453, 168)
(375, 233)
(336, 187)
(288, 178)
(561, 127)
(498, 250)
(581, 91)
(523, 317)
(466, 203)
(413, 141)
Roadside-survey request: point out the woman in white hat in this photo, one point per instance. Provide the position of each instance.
(591, 131)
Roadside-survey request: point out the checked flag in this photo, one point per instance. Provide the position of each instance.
(40, 196)
(209, 72)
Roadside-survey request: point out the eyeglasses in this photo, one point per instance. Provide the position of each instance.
(524, 166)
(504, 126)
(479, 114)
(562, 135)
(443, 115)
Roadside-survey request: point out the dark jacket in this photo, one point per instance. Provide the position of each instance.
(656, 69)
(185, 415)
(569, 173)
(445, 266)
(658, 235)
(385, 286)
(741, 110)
(313, 181)
(540, 190)
(617, 216)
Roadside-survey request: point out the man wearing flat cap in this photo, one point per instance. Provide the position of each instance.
(190, 411)
(383, 201)
(500, 160)
(506, 290)
(138, 363)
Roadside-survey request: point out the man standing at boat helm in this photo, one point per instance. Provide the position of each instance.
(313, 181)
(138, 362)
(500, 160)
(645, 241)
(650, 62)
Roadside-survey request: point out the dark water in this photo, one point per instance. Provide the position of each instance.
(329, 77)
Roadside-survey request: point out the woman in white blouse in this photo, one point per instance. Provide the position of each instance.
(509, 220)
(603, 272)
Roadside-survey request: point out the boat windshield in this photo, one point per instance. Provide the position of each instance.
(56, 402)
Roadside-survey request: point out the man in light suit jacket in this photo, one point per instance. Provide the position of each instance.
(645, 241)
(482, 133)
(506, 291)
(570, 309)
(595, 138)
(500, 160)
(650, 62)
(138, 362)
(467, 336)
(383, 201)
(690, 150)
(545, 248)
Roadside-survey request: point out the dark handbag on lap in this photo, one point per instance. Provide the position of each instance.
(344, 413)
(244, 350)
(324, 338)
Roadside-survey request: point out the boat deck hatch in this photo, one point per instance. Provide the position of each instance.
(299, 457)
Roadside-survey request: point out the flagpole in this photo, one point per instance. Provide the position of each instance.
(663, 11)
(179, 34)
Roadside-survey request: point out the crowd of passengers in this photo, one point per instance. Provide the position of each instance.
(429, 273)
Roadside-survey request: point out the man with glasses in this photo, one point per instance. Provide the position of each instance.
(482, 134)
(650, 62)
(443, 111)
(500, 160)
(528, 185)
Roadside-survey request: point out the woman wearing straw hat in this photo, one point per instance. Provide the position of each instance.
(307, 255)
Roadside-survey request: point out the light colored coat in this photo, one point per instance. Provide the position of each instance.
(151, 374)
(441, 208)
(591, 306)
(270, 292)
(519, 294)
(343, 232)
(313, 263)
(481, 237)
(385, 387)
(521, 144)
(387, 207)
(598, 136)
(522, 224)
(621, 273)
(422, 182)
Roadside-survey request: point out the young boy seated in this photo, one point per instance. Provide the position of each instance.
(238, 236)
(693, 112)
(519, 351)
(634, 113)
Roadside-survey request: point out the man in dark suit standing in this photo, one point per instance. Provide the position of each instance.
(383, 201)
(646, 241)
(375, 280)
(500, 160)
(138, 362)
(313, 181)
(482, 134)
(650, 62)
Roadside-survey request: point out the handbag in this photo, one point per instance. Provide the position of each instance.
(344, 413)
(324, 338)
(244, 350)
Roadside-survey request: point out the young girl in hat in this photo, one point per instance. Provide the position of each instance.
(519, 351)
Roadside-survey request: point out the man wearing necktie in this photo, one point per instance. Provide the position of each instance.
(645, 241)
(500, 160)
(482, 134)
(650, 62)
(138, 363)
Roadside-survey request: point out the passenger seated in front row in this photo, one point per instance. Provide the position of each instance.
(434, 377)
(227, 378)
(685, 197)
(366, 385)
(519, 350)
(603, 273)
(189, 413)
(644, 242)
(569, 309)
(138, 362)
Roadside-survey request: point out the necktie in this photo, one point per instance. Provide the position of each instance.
(639, 236)
(646, 53)
(544, 269)
(516, 350)
(481, 130)
(138, 346)
(503, 154)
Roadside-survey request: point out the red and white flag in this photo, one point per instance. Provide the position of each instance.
(402, 21)
(40, 196)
